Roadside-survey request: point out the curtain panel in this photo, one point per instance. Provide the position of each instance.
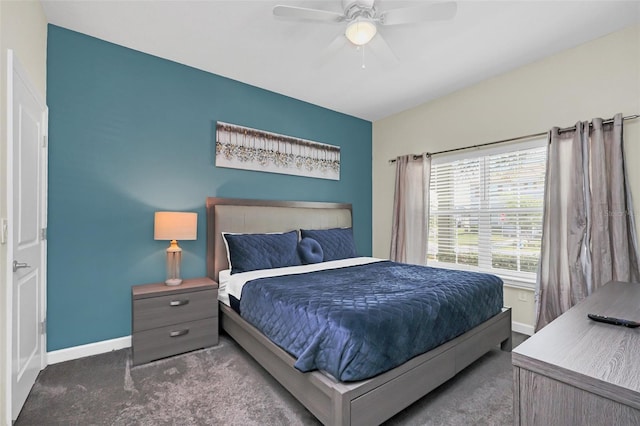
(410, 226)
(588, 236)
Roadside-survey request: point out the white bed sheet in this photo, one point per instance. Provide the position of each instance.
(232, 284)
(223, 277)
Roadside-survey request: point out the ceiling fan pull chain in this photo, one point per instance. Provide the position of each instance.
(363, 66)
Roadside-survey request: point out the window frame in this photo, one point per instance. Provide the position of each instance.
(516, 279)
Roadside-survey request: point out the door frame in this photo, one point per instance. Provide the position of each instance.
(13, 65)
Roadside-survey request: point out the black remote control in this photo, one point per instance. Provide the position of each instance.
(614, 321)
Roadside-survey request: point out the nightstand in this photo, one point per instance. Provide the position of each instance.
(167, 321)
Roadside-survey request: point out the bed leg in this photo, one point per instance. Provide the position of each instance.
(341, 409)
(505, 345)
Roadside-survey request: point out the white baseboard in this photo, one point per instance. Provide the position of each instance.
(90, 349)
(520, 327)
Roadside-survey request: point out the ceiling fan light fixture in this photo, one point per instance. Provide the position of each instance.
(360, 31)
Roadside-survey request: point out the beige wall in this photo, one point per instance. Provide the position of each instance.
(23, 28)
(597, 79)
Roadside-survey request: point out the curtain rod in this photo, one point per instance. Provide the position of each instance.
(533, 135)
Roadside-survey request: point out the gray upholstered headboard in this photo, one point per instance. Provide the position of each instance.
(259, 216)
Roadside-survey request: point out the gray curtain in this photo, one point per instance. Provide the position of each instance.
(410, 231)
(589, 235)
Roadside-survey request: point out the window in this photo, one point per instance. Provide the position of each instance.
(485, 210)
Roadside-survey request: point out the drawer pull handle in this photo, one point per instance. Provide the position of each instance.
(179, 302)
(179, 333)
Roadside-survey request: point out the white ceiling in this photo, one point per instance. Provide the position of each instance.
(313, 62)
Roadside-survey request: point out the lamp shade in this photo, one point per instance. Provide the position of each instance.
(360, 31)
(175, 226)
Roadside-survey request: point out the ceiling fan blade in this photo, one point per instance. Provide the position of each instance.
(410, 15)
(381, 49)
(329, 52)
(305, 13)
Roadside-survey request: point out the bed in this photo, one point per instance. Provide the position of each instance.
(362, 402)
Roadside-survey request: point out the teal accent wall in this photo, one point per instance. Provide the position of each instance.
(130, 134)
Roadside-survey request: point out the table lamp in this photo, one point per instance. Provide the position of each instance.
(174, 226)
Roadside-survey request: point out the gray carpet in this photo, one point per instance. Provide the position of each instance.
(223, 385)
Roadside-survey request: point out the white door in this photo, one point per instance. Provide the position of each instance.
(27, 166)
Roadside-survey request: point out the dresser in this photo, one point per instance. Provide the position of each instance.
(576, 371)
(170, 320)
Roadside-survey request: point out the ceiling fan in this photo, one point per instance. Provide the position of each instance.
(363, 18)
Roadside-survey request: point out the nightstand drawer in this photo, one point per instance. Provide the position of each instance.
(161, 311)
(174, 339)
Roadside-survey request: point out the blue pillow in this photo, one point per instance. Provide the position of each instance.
(310, 251)
(248, 252)
(336, 243)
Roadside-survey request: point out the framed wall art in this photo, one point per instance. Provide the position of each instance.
(241, 147)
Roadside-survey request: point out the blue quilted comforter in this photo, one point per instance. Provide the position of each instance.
(360, 321)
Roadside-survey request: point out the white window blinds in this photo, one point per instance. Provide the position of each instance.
(486, 210)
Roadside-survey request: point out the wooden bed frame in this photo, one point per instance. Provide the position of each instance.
(366, 402)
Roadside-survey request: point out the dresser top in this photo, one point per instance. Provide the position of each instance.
(598, 355)
(161, 289)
